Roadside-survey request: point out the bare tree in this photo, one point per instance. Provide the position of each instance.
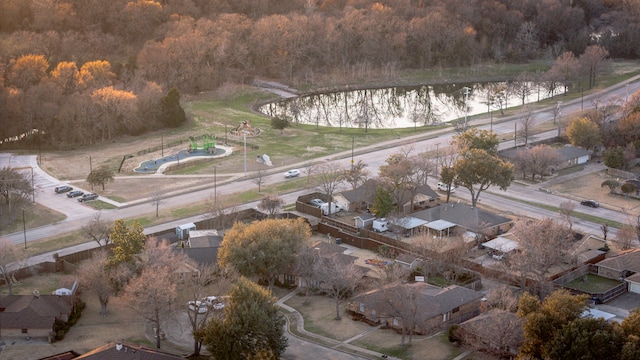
(329, 178)
(625, 236)
(309, 169)
(503, 298)
(338, 279)
(536, 161)
(153, 293)
(260, 179)
(526, 127)
(271, 204)
(156, 200)
(566, 210)
(99, 230)
(218, 210)
(205, 281)
(105, 281)
(10, 259)
(356, 175)
(400, 301)
(541, 244)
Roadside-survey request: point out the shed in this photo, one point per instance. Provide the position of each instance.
(364, 220)
(182, 231)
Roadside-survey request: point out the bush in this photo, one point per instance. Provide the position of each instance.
(451, 333)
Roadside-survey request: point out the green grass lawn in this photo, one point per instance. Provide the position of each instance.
(593, 284)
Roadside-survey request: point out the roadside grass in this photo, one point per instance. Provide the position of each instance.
(34, 216)
(100, 205)
(55, 242)
(592, 284)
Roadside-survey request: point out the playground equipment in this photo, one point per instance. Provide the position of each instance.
(208, 144)
(245, 128)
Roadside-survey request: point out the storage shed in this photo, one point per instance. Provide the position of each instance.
(182, 231)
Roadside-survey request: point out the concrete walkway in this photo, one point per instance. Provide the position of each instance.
(323, 340)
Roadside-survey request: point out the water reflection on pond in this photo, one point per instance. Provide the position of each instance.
(401, 107)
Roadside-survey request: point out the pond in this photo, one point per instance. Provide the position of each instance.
(402, 107)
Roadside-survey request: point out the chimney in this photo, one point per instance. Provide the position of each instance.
(36, 294)
(118, 345)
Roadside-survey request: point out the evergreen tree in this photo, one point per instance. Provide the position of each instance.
(251, 328)
(172, 113)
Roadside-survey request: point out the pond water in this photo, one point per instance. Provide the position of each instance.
(402, 107)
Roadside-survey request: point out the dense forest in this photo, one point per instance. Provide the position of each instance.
(83, 71)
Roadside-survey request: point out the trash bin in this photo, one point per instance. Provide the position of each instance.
(338, 240)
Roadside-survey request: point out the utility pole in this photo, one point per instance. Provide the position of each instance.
(437, 158)
(24, 230)
(466, 105)
(91, 172)
(215, 190)
(559, 116)
(352, 140)
(245, 152)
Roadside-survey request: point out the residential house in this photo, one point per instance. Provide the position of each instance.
(571, 156)
(324, 250)
(32, 316)
(624, 267)
(496, 332)
(125, 350)
(434, 308)
(456, 219)
(360, 198)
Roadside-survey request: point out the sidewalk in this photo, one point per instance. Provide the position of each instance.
(322, 340)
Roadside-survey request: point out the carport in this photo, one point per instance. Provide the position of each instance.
(440, 227)
(500, 245)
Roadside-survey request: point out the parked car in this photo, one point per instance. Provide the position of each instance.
(444, 187)
(292, 173)
(213, 302)
(87, 197)
(590, 203)
(316, 202)
(198, 306)
(63, 189)
(75, 193)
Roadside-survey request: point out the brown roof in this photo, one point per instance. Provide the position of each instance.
(127, 351)
(628, 260)
(33, 312)
(433, 300)
(496, 327)
(68, 355)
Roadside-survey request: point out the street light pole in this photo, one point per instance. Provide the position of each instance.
(466, 105)
(437, 158)
(91, 175)
(24, 229)
(245, 153)
(352, 140)
(559, 117)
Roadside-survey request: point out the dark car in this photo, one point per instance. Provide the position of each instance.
(75, 193)
(590, 203)
(87, 197)
(63, 189)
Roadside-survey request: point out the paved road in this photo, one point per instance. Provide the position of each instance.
(373, 155)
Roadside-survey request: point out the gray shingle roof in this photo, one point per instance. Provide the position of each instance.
(462, 215)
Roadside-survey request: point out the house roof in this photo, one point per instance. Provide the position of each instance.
(569, 152)
(67, 355)
(365, 216)
(440, 225)
(432, 300)
(205, 241)
(126, 351)
(634, 278)
(365, 192)
(501, 244)
(628, 260)
(422, 192)
(408, 222)
(463, 215)
(485, 327)
(406, 258)
(33, 312)
(203, 256)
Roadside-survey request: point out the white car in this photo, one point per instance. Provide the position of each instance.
(292, 173)
(198, 306)
(445, 187)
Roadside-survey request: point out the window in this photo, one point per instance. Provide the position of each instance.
(395, 322)
(361, 307)
(25, 331)
(290, 279)
(446, 316)
(455, 309)
(373, 313)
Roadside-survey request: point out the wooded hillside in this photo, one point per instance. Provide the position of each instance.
(83, 71)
